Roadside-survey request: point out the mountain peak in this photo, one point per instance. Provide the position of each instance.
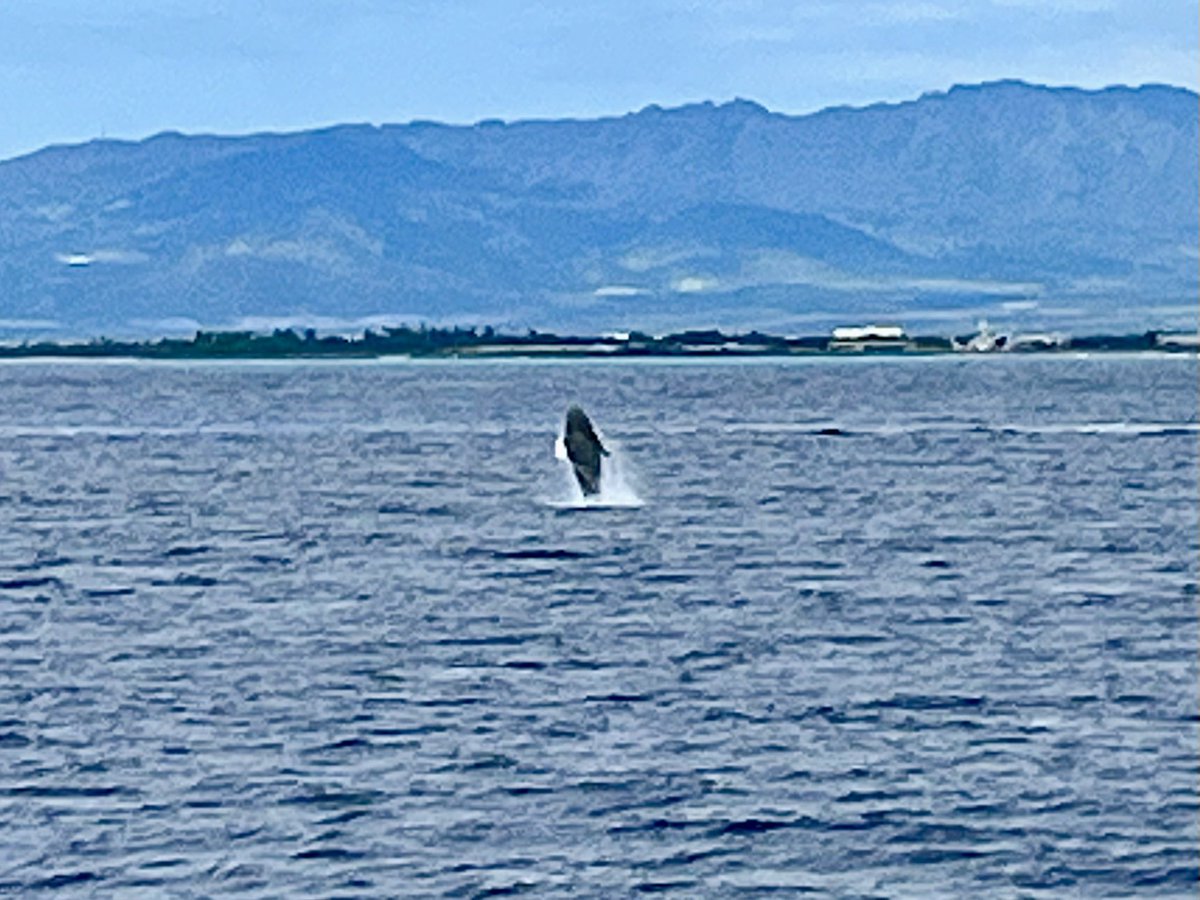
(1019, 87)
(738, 106)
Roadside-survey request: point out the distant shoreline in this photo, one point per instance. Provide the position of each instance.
(460, 343)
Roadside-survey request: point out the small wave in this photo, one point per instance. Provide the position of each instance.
(758, 826)
(16, 584)
(526, 790)
(492, 640)
(334, 798)
(405, 509)
(69, 793)
(835, 429)
(328, 853)
(539, 554)
(188, 550)
(619, 698)
(54, 882)
(187, 581)
(921, 703)
(1120, 428)
(44, 563)
(657, 825)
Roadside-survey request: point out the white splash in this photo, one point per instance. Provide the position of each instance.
(617, 482)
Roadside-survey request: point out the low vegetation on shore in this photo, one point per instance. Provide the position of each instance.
(487, 342)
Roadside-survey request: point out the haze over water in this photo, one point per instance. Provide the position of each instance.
(881, 628)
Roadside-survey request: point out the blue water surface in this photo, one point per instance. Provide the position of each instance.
(879, 628)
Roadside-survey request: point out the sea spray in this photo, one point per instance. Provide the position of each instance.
(618, 481)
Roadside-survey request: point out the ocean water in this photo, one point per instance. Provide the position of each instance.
(856, 628)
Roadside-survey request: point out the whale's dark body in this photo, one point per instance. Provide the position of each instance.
(584, 450)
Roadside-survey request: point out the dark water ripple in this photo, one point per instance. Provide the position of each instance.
(881, 629)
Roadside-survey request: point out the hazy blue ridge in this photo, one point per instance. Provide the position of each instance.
(1054, 207)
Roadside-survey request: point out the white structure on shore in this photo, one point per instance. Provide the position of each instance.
(1036, 341)
(869, 337)
(986, 341)
(1177, 340)
(869, 333)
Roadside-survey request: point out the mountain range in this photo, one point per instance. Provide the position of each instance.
(1047, 207)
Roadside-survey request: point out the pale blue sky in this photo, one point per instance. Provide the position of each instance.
(71, 70)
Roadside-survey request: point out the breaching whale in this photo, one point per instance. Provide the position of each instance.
(583, 450)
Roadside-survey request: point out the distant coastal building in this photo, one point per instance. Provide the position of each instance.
(1037, 341)
(988, 341)
(869, 337)
(1177, 340)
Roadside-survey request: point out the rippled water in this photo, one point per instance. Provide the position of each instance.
(881, 628)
